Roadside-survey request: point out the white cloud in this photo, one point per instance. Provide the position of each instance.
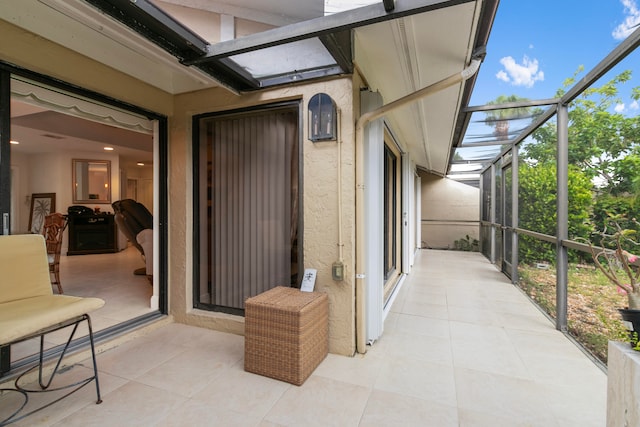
(631, 21)
(622, 108)
(525, 74)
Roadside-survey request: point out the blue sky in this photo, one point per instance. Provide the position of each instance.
(535, 45)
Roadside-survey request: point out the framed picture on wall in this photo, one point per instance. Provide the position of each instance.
(42, 204)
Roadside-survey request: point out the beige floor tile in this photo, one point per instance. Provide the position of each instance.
(418, 295)
(390, 322)
(241, 391)
(470, 418)
(360, 370)
(418, 378)
(218, 346)
(474, 315)
(419, 325)
(320, 402)
(520, 308)
(548, 370)
(133, 404)
(134, 358)
(386, 409)
(544, 343)
(507, 397)
(425, 309)
(578, 404)
(485, 348)
(187, 373)
(422, 283)
(193, 413)
(188, 336)
(420, 347)
(536, 322)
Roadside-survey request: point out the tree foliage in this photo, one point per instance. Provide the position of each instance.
(604, 157)
(625, 208)
(602, 142)
(500, 119)
(537, 202)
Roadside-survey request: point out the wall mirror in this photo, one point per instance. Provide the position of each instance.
(91, 181)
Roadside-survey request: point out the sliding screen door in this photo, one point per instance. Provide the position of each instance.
(248, 205)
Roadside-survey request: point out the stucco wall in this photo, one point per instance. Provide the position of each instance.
(450, 211)
(320, 205)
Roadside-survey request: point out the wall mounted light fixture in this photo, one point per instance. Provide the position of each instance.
(322, 118)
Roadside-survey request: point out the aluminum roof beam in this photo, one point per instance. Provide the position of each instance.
(324, 25)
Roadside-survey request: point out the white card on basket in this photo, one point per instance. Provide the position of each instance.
(308, 280)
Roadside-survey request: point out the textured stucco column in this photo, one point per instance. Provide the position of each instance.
(623, 386)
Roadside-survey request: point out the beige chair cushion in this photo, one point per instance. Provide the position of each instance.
(24, 267)
(27, 316)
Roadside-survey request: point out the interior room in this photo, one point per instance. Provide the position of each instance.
(76, 157)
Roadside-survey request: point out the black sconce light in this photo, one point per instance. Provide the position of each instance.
(322, 118)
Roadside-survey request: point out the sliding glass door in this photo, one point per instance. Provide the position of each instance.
(5, 152)
(248, 205)
(47, 127)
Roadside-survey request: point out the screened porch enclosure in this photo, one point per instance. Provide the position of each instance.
(551, 188)
(249, 192)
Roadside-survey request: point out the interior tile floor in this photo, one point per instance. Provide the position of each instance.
(461, 347)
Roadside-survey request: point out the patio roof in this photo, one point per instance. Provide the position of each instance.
(398, 48)
(490, 131)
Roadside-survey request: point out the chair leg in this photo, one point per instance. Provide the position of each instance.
(93, 357)
(56, 281)
(44, 385)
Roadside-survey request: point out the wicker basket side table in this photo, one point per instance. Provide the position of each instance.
(286, 333)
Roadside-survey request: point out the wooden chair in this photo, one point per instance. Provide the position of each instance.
(53, 230)
(29, 309)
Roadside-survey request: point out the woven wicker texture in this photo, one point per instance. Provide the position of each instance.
(286, 333)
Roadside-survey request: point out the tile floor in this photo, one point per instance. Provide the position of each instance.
(461, 347)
